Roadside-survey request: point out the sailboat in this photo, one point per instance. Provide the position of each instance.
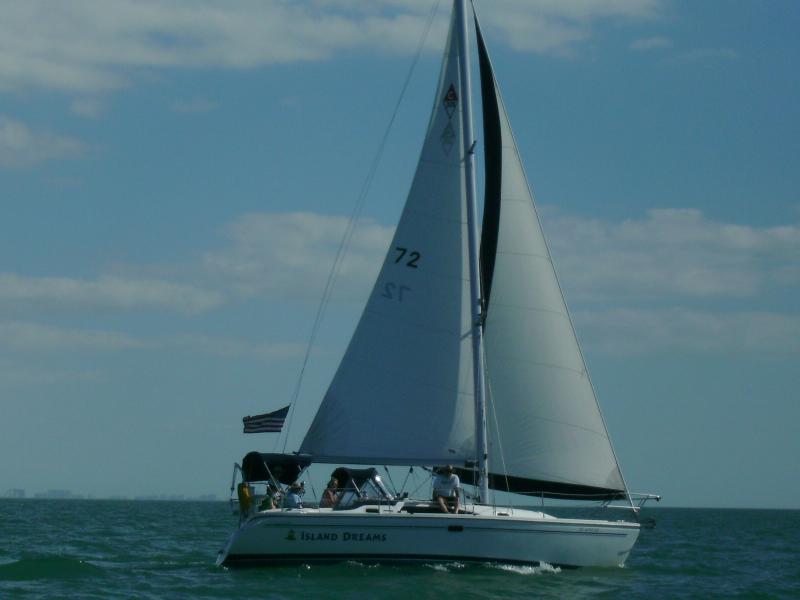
(465, 355)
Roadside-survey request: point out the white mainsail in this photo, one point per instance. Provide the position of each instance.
(551, 434)
(403, 393)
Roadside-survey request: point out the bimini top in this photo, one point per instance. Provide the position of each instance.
(286, 468)
(360, 486)
(358, 478)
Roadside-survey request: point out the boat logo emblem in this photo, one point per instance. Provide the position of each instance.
(291, 536)
(450, 101)
(448, 138)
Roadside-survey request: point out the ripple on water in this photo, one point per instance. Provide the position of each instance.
(45, 566)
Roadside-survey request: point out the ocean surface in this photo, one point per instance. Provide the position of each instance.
(127, 549)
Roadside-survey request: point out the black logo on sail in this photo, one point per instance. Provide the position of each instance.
(450, 101)
(448, 138)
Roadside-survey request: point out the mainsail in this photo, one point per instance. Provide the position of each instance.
(552, 438)
(403, 392)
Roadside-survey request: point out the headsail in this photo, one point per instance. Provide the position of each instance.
(552, 435)
(403, 391)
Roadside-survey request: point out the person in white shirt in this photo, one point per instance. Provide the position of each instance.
(445, 489)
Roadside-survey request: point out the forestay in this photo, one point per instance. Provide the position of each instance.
(403, 391)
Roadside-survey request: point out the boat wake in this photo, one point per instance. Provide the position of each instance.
(527, 569)
(445, 567)
(363, 565)
(518, 569)
(448, 567)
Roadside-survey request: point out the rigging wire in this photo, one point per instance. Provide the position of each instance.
(410, 471)
(427, 480)
(497, 430)
(389, 475)
(350, 229)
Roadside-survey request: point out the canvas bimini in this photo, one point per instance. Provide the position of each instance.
(462, 356)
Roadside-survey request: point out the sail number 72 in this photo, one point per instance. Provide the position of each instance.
(392, 291)
(411, 260)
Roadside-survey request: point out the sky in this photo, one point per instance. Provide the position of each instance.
(175, 178)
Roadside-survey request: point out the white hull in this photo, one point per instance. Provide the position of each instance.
(522, 537)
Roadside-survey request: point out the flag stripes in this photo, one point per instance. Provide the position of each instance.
(267, 423)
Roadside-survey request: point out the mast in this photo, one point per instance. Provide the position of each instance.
(474, 266)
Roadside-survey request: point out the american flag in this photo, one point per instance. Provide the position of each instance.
(268, 422)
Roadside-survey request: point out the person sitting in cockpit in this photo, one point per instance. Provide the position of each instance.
(330, 496)
(445, 489)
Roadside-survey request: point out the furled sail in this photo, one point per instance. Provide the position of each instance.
(552, 438)
(403, 392)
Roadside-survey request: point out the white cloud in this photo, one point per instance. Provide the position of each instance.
(706, 54)
(655, 283)
(554, 26)
(581, 10)
(232, 347)
(277, 255)
(22, 147)
(86, 46)
(195, 105)
(291, 254)
(24, 336)
(107, 293)
(630, 332)
(671, 255)
(678, 281)
(17, 335)
(651, 43)
(89, 46)
(658, 264)
(90, 108)
(538, 33)
(26, 374)
(290, 102)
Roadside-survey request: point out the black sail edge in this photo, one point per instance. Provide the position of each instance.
(493, 164)
(540, 488)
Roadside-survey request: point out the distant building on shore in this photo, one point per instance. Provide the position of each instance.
(58, 495)
(177, 497)
(15, 493)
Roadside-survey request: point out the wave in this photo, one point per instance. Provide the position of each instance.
(47, 567)
(527, 569)
(445, 567)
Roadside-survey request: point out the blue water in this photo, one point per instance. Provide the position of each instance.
(125, 549)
